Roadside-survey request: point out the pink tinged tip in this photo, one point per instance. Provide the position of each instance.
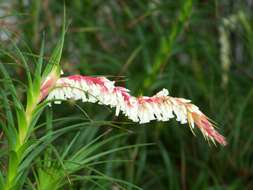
(207, 128)
(47, 85)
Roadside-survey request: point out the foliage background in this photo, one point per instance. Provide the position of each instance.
(200, 49)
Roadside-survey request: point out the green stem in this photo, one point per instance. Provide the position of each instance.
(16, 155)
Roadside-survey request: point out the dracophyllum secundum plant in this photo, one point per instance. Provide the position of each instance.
(47, 87)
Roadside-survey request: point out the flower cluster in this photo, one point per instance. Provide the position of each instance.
(161, 106)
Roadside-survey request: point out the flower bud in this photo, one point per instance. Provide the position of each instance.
(48, 84)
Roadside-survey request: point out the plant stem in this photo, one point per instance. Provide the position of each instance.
(16, 155)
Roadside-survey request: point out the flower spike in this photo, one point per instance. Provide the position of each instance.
(161, 106)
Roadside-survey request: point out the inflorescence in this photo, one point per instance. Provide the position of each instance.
(161, 106)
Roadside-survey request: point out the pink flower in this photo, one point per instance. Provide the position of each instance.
(161, 106)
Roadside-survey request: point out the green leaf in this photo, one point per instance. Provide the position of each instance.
(107, 178)
(114, 150)
(12, 167)
(67, 149)
(22, 125)
(8, 127)
(9, 86)
(169, 169)
(38, 146)
(55, 58)
(24, 61)
(92, 146)
(37, 75)
(6, 105)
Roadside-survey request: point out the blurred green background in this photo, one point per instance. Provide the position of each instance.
(197, 49)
